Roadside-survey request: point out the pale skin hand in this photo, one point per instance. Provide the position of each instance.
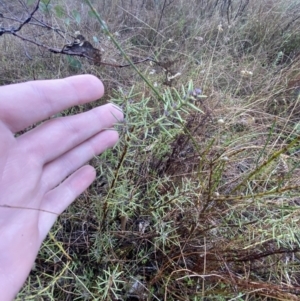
(34, 166)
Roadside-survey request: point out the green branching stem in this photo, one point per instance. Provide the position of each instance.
(265, 163)
(111, 36)
(257, 195)
(111, 188)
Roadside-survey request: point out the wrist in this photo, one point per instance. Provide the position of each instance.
(18, 251)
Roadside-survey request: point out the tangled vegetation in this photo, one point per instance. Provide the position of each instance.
(200, 199)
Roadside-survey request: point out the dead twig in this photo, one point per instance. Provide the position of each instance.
(27, 20)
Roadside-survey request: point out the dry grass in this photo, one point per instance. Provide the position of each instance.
(200, 199)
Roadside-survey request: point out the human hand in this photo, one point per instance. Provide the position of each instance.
(34, 166)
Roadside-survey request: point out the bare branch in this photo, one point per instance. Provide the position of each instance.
(27, 20)
(80, 46)
(67, 51)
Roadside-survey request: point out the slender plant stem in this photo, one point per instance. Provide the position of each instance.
(274, 156)
(110, 35)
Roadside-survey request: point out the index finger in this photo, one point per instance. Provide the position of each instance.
(24, 104)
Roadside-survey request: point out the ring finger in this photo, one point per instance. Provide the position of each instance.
(56, 171)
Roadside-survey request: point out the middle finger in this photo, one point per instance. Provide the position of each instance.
(57, 136)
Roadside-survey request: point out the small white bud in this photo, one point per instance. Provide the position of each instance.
(246, 73)
(173, 76)
(220, 28)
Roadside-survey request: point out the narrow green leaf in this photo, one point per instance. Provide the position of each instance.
(29, 2)
(91, 14)
(95, 39)
(76, 16)
(74, 63)
(191, 105)
(43, 8)
(59, 11)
